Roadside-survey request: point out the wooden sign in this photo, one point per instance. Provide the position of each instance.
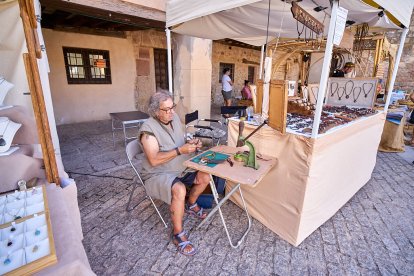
(306, 19)
(100, 63)
(356, 92)
(278, 101)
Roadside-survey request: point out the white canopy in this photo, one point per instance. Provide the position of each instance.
(246, 20)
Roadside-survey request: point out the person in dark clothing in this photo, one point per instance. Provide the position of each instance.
(348, 67)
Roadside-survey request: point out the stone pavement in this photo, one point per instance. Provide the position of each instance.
(373, 234)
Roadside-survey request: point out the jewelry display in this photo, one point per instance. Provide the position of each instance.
(29, 238)
(5, 87)
(345, 91)
(332, 116)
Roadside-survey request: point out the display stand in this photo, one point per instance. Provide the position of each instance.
(27, 243)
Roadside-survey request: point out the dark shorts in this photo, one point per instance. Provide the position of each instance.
(226, 94)
(188, 179)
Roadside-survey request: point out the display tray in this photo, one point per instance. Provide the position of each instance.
(331, 120)
(26, 240)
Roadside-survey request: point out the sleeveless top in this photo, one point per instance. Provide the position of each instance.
(158, 179)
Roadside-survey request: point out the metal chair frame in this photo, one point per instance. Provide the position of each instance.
(191, 117)
(133, 148)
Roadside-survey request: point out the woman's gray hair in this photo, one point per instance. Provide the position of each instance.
(156, 100)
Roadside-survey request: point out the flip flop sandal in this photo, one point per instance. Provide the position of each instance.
(181, 245)
(199, 214)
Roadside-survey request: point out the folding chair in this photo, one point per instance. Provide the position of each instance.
(203, 131)
(232, 110)
(133, 148)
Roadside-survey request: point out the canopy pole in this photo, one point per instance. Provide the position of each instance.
(261, 63)
(325, 70)
(170, 86)
(395, 69)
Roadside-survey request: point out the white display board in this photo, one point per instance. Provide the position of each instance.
(358, 92)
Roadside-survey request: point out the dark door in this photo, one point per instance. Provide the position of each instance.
(161, 68)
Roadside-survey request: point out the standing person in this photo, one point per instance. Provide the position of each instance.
(246, 93)
(227, 89)
(348, 68)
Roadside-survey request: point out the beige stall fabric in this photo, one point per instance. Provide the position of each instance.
(72, 259)
(313, 178)
(392, 139)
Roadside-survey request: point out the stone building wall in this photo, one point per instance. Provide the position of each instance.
(144, 43)
(405, 75)
(231, 54)
(288, 67)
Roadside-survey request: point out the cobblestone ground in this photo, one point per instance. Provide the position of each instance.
(373, 234)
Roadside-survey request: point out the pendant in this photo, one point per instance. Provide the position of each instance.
(35, 248)
(347, 96)
(339, 98)
(12, 229)
(7, 261)
(37, 232)
(366, 96)
(17, 217)
(9, 243)
(2, 142)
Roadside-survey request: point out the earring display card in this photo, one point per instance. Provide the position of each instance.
(26, 240)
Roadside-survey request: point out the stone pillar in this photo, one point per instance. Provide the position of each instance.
(192, 74)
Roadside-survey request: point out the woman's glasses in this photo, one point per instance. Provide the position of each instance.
(169, 109)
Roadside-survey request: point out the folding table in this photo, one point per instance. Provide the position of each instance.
(129, 119)
(239, 174)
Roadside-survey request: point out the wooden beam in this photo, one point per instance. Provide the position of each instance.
(38, 103)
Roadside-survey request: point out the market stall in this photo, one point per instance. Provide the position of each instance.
(325, 153)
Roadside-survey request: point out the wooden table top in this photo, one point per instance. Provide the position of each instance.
(129, 116)
(238, 173)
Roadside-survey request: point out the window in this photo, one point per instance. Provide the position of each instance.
(87, 66)
(251, 73)
(161, 68)
(226, 65)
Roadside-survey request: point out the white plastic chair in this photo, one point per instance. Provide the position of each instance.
(133, 148)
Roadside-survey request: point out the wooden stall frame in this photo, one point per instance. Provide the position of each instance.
(32, 72)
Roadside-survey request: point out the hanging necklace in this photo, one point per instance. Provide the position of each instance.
(340, 96)
(369, 91)
(2, 140)
(346, 88)
(359, 93)
(15, 215)
(333, 91)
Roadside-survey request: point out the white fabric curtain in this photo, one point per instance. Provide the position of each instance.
(246, 21)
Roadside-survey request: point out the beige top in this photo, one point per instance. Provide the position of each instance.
(158, 179)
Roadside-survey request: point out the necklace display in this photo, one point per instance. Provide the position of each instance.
(15, 215)
(2, 140)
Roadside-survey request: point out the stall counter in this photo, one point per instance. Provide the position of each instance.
(313, 178)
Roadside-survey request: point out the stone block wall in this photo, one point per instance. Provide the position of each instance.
(405, 75)
(144, 42)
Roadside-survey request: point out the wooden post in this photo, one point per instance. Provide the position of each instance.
(38, 101)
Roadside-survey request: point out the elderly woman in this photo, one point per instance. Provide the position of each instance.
(165, 177)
